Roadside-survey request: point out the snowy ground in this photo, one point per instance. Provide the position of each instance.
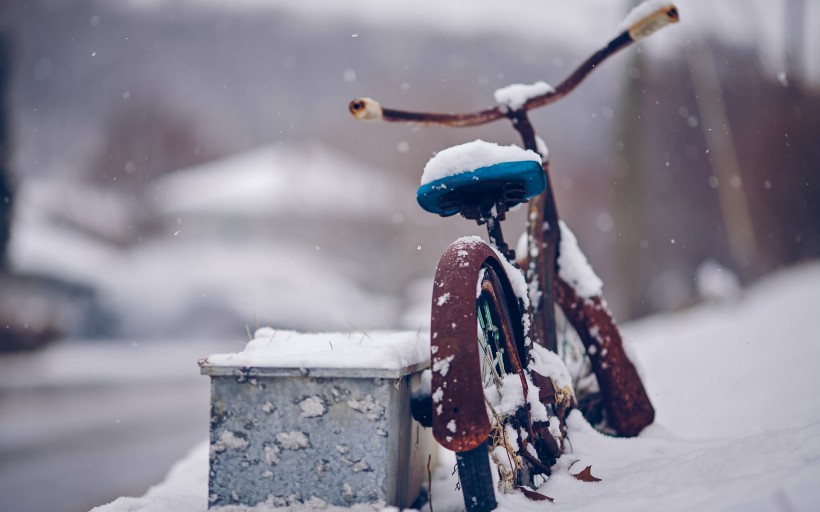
(735, 386)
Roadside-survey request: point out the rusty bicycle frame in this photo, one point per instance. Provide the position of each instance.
(626, 402)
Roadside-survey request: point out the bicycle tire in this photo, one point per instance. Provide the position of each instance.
(476, 479)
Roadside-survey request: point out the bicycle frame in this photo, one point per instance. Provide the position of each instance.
(628, 407)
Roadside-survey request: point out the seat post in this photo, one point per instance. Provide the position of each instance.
(493, 221)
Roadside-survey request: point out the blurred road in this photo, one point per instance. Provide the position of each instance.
(84, 423)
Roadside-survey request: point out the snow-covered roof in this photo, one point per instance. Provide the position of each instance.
(276, 181)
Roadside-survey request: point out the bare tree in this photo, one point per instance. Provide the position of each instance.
(734, 202)
(629, 206)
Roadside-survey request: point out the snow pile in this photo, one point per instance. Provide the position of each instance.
(514, 96)
(276, 181)
(471, 156)
(549, 364)
(574, 267)
(715, 282)
(271, 348)
(734, 387)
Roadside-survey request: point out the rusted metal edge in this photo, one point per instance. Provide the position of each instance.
(257, 371)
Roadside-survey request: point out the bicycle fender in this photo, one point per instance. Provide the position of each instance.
(460, 420)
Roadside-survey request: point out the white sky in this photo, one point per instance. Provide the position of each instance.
(587, 22)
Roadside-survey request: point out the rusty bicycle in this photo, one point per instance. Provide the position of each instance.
(501, 385)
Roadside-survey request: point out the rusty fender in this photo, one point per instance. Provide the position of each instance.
(460, 420)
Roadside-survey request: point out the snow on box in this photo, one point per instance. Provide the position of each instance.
(271, 348)
(471, 156)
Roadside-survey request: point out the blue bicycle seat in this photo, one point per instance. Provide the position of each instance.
(508, 182)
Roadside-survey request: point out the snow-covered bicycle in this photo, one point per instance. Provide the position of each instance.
(504, 399)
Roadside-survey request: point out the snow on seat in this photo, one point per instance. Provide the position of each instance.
(479, 172)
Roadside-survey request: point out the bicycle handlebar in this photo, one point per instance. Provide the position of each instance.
(368, 109)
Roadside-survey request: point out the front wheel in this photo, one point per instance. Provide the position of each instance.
(620, 404)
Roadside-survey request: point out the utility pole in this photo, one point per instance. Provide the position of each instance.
(795, 39)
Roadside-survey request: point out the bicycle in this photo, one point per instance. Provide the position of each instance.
(508, 394)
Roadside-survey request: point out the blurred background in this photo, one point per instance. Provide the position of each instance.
(174, 173)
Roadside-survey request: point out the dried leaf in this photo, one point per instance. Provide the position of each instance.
(586, 475)
(535, 496)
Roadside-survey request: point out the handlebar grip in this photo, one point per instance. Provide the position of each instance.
(366, 109)
(650, 24)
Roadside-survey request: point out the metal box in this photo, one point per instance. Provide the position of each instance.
(282, 436)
